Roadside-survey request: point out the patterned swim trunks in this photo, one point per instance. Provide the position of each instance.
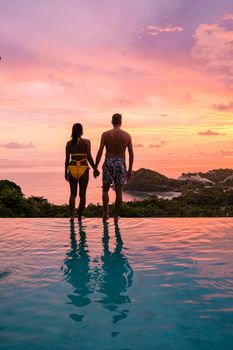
(114, 171)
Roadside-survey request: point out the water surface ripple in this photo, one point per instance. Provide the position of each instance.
(149, 283)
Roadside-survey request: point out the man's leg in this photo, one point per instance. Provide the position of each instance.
(105, 198)
(118, 201)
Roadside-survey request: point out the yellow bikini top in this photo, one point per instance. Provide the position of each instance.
(79, 154)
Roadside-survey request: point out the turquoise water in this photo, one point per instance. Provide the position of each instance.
(151, 283)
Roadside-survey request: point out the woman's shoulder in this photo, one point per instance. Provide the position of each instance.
(86, 141)
(68, 143)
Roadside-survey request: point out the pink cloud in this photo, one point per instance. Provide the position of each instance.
(16, 145)
(213, 48)
(152, 30)
(138, 145)
(122, 101)
(224, 107)
(228, 17)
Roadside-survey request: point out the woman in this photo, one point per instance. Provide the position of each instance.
(78, 154)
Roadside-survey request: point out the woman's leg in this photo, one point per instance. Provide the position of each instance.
(73, 194)
(83, 182)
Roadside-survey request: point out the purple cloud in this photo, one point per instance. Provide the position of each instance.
(210, 133)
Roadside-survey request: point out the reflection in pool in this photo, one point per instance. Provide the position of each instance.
(112, 279)
(149, 283)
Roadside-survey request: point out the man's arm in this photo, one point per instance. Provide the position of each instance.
(131, 158)
(67, 160)
(100, 151)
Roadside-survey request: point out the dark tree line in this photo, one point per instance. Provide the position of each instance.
(214, 201)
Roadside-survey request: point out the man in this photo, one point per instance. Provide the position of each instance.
(114, 168)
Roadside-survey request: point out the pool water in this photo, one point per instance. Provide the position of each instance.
(149, 283)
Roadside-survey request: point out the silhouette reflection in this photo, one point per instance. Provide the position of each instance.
(111, 280)
(77, 271)
(117, 276)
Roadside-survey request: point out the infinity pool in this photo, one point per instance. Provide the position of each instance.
(149, 284)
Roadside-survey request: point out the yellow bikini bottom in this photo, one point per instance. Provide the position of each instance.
(77, 170)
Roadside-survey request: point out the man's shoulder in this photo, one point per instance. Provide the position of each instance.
(106, 133)
(126, 134)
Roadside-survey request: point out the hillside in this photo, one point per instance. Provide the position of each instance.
(147, 180)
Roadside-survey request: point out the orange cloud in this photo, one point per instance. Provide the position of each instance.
(226, 153)
(138, 145)
(158, 145)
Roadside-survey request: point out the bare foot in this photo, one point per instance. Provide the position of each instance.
(116, 220)
(105, 217)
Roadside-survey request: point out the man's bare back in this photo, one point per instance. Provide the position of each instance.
(116, 141)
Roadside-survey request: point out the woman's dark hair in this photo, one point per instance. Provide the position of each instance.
(77, 131)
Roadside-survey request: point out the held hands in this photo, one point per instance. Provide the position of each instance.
(129, 174)
(96, 173)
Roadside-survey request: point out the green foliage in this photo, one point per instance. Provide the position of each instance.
(14, 204)
(149, 180)
(9, 184)
(215, 201)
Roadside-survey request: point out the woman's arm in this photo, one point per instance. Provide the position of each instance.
(89, 156)
(90, 159)
(100, 151)
(67, 160)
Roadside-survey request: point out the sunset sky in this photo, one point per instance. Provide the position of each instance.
(166, 65)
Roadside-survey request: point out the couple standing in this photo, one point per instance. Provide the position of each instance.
(78, 158)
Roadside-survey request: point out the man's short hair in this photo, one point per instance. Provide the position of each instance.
(116, 119)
